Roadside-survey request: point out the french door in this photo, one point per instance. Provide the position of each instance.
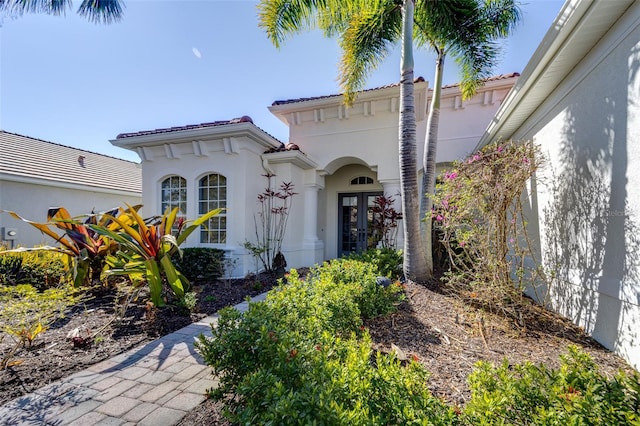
(355, 222)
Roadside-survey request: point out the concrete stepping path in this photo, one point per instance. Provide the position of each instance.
(154, 384)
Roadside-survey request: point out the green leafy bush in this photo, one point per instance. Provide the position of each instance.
(361, 278)
(201, 263)
(42, 269)
(302, 356)
(575, 394)
(386, 261)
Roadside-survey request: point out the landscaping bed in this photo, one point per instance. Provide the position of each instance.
(441, 331)
(53, 356)
(448, 336)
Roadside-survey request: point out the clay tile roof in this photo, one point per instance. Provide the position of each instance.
(27, 157)
(494, 78)
(293, 101)
(243, 119)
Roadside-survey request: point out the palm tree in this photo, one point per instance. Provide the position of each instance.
(97, 11)
(368, 30)
(363, 39)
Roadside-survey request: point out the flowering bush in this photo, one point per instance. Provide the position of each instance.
(479, 215)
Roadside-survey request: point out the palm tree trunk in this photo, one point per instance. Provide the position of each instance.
(414, 254)
(429, 162)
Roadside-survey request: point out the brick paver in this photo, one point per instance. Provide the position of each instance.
(154, 384)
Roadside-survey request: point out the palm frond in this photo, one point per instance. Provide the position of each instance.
(370, 35)
(20, 7)
(282, 18)
(102, 11)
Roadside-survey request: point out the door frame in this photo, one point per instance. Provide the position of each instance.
(362, 222)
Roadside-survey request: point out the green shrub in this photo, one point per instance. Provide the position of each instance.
(334, 382)
(201, 263)
(42, 269)
(575, 394)
(360, 277)
(302, 356)
(386, 261)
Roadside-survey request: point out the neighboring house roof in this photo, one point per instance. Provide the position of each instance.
(243, 119)
(579, 26)
(293, 101)
(26, 158)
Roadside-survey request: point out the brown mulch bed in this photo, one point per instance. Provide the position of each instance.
(448, 336)
(53, 356)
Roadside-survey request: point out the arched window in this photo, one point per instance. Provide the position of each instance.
(361, 180)
(174, 194)
(212, 192)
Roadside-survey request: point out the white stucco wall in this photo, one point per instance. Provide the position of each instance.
(588, 197)
(239, 160)
(462, 122)
(32, 200)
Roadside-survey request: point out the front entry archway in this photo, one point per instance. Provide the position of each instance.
(355, 222)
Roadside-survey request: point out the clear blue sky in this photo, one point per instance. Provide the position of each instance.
(171, 63)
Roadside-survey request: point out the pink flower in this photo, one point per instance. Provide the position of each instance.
(450, 175)
(462, 243)
(500, 149)
(439, 218)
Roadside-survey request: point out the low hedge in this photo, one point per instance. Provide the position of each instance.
(303, 357)
(40, 268)
(200, 263)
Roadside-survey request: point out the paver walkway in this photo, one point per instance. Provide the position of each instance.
(154, 384)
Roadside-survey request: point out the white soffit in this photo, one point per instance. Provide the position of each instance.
(576, 30)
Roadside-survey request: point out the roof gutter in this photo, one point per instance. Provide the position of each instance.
(568, 19)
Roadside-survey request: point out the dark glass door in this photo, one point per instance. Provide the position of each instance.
(355, 222)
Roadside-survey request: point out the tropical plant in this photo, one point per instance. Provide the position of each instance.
(385, 221)
(475, 50)
(271, 224)
(146, 247)
(368, 30)
(97, 11)
(86, 248)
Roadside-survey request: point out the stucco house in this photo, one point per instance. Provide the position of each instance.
(338, 159)
(579, 99)
(36, 175)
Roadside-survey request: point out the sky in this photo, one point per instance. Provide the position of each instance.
(172, 63)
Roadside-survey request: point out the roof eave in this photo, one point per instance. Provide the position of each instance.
(249, 130)
(335, 100)
(569, 21)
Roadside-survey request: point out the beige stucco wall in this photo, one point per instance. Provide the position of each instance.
(588, 197)
(32, 200)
